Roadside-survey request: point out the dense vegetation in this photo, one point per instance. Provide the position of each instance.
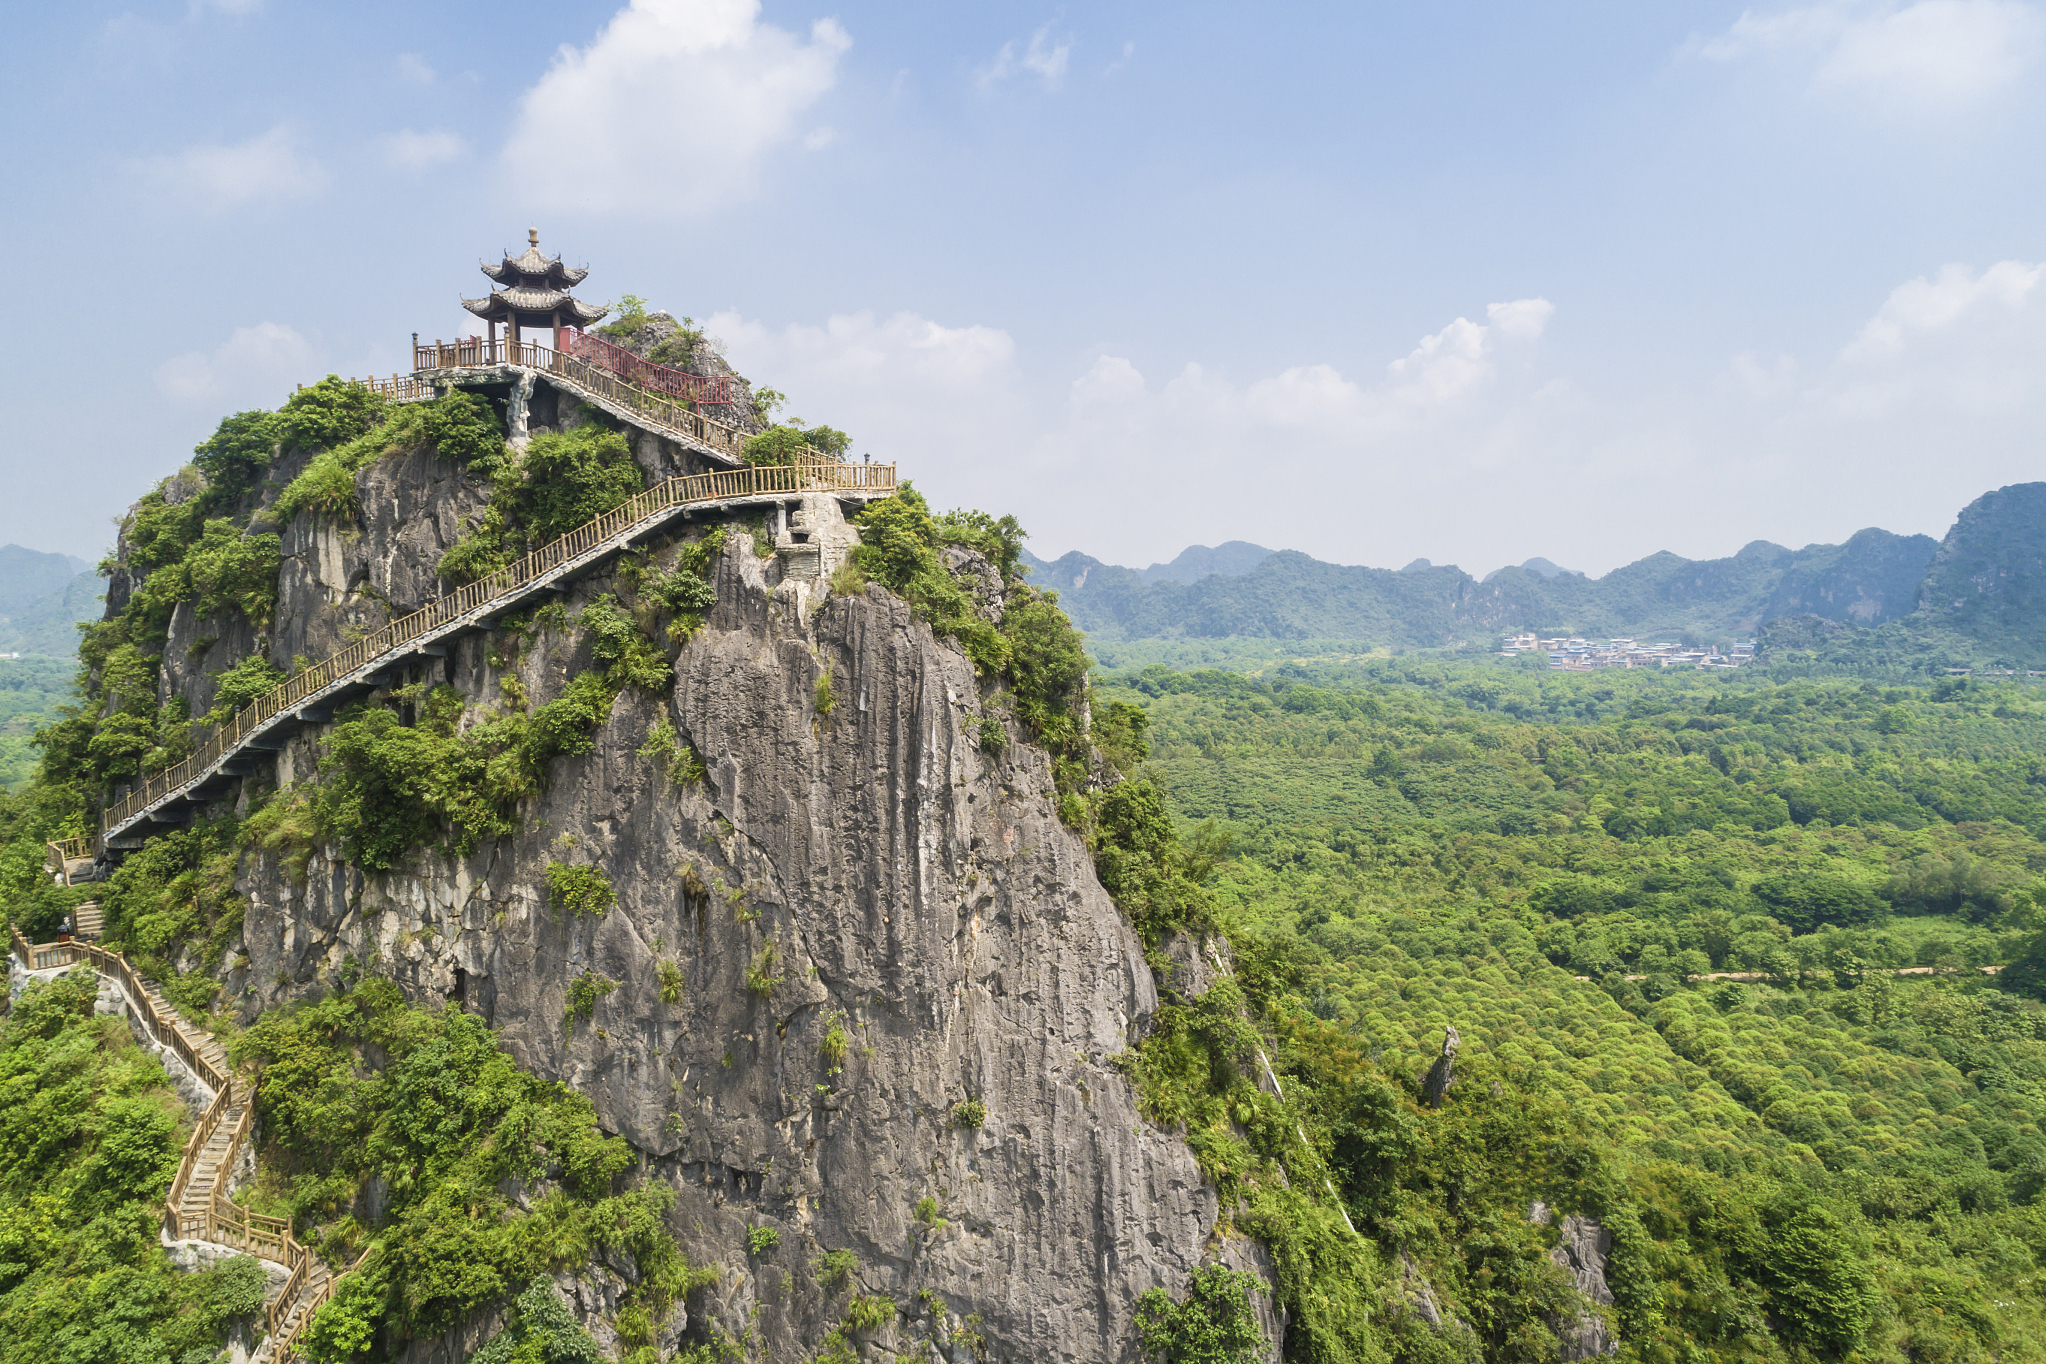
(89, 1138)
(31, 690)
(404, 1126)
(1819, 1159)
(1665, 913)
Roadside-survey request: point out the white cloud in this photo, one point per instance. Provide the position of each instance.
(1105, 457)
(1932, 52)
(265, 169)
(1470, 447)
(1927, 307)
(200, 7)
(414, 68)
(1456, 358)
(1043, 58)
(415, 152)
(1128, 50)
(672, 108)
(250, 364)
(1524, 319)
(817, 139)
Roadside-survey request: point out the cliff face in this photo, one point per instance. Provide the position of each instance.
(870, 867)
(1988, 580)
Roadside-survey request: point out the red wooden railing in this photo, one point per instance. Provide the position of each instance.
(695, 388)
(662, 410)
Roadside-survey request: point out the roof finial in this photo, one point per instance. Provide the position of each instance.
(533, 236)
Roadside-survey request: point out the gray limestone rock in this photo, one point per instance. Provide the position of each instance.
(1582, 1251)
(913, 888)
(1436, 1085)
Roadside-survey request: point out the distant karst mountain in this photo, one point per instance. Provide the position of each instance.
(1988, 580)
(1247, 591)
(42, 598)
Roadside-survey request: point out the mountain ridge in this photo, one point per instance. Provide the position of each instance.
(1870, 579)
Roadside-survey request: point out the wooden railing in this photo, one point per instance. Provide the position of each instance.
(288, 1341)
(459, 608)
(695, 388)
(64, 850)
(220, 1221)
(656, 409)
(398, 388)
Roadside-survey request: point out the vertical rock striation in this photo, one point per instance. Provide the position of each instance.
(867, 872)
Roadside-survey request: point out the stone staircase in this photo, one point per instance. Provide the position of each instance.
(199, 1209)
(87, 921)
(316, 1289)
(212, 1169)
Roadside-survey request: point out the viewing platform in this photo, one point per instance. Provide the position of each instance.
(649, 396)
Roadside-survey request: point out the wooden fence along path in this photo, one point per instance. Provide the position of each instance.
(197, 1207)
(299, 699)
(661, 399)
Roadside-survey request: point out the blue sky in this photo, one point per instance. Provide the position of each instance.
(1469, 281)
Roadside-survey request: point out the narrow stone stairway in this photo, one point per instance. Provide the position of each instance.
(208, 1172)
(87, 921)
(289, 1327)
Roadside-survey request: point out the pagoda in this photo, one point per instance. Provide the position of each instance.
(535, 295)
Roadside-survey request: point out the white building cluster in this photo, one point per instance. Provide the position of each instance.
(1583, 655)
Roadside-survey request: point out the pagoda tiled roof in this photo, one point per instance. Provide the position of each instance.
(533, 268)
(522, 299)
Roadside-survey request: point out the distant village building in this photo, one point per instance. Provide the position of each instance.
(1577, 654)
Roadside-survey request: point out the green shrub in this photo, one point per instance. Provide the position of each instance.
(544, 1331)
(794, 441)
(835, 1268)
(582, 996)
(325, 487)
(1216, 1324)
(465, 429)
(564, 481)
(390, 787)
(836, 1042)
(632, 315)
(236, 687)
(578, 891)
(671, 982)
(869, 1314)
(628, 656)
(762, 1240)
(926, 1212)
(847, 580)
(994, 736)
(236, 456)
(969, 1113)
(820, 694)
(676, 755)
(760, 975)
(328, 414)
(91, 1140)
(569, 480)
(1154, 878)
(231, 571)
(359, 1087)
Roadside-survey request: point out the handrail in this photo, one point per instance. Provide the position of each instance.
(64, 850)
(289, 1340)
(714, 389)
(220, 1220)
(624, 523)
(656, 409)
